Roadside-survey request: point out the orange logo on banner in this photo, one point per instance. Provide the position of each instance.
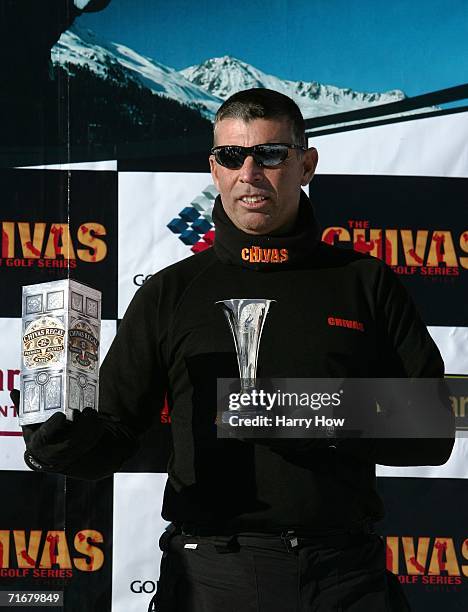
(47, 554)
(425, 252)
(50, 245)
(428, 560)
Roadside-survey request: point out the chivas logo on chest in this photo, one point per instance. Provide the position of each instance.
(257, 254)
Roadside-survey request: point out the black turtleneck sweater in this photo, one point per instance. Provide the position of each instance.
(174, 339)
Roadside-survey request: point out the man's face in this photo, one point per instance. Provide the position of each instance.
(275, 191)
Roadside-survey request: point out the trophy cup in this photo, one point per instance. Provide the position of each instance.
(246, 318)
(61, 329)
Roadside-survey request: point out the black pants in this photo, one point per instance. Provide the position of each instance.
(268, 573)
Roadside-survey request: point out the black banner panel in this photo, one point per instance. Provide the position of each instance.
(415, 224)
(57, 224)
(427, 540)
(56, 535)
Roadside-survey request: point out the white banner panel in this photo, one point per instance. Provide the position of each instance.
(137, 528)
(148, 202)
(453, 346)
(456, 466)
(11, 437)
(436, 146)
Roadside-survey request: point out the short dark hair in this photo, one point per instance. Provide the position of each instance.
(262, 103)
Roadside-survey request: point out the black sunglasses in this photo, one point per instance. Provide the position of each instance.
(265, 155)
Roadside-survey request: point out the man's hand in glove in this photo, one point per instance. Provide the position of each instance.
(57, 443)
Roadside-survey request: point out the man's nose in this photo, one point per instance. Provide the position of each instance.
(250, 171)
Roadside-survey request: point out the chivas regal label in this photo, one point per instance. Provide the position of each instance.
(83, 345)
(43, 342)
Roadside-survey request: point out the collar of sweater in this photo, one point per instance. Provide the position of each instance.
(266, 252)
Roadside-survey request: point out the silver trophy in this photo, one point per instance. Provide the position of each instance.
(246, 318)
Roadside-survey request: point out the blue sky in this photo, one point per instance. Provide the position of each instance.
(414, 45)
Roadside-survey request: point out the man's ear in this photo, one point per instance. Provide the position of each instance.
(214, 170)
(309, 161)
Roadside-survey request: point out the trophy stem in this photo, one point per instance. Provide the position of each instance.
(247, 384)
(246, 318)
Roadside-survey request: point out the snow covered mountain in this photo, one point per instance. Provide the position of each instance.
(79, 46)
(205, 86)
(223, 76)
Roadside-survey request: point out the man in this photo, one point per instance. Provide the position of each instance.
(261, 525)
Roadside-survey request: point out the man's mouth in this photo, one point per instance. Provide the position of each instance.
(254, 201)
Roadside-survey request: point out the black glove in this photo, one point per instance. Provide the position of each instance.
(53, 445)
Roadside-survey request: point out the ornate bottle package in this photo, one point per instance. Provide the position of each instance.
(60, 349)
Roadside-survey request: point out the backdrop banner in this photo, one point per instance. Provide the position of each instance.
(424, 239)
(137, 528)
(56, 535)
(105, 179)
(58, 224)
(427, 546)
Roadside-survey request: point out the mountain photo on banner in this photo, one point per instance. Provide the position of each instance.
(106, 79)
(118, 95)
